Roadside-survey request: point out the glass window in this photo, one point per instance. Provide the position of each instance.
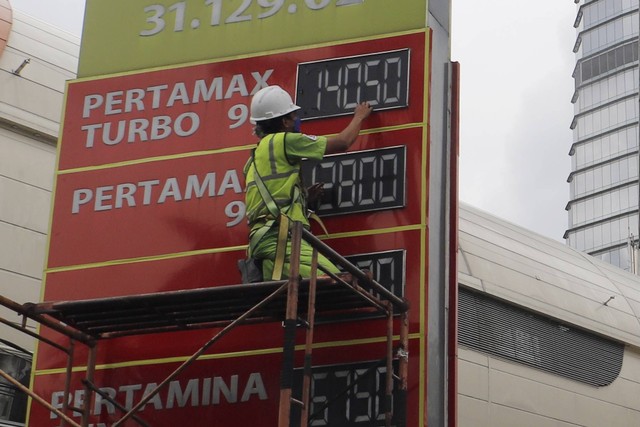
(597, 236)
(598, 181)
(615, 258)
(601, 63)
(606, 204)
(623, 169)
(588, 238)
(624, 198)
(611, 145)
(619, 52)
(580, 240)
(606, 232)
(605, 118)
(598, 207)
(633, 196)
(615, 230)
(605, 175)
(609, 7)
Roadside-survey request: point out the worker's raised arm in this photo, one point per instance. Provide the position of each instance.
(342, 141)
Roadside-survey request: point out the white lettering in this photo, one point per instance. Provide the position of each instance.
(195, 124)
(147, 185)
(91, 133)
(170, 189)
(193, 392)
(57, 401)
(230, 393)
(134, 96)
(78, 400)
(80, 197)
(184, 92)
(237, 85)
(175, 393)
(201, 89)
(91, 102)
(125, 192)
(230, 181)
(102, 197)
(186, 124)
(106, 133)
(155, 191)
(100, 401)
(254, 386)
(194, 185)
(155, 400)
(160, 128)
(113, 98)
(138, 127)
(128, 393)
(179, 93)
(206, 391)
(156, 90)
(261, 80)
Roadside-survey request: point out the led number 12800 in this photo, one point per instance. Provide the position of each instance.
(227, 12)
(359, 181)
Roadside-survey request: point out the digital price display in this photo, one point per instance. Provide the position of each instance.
(359, 181)
(388, 268)
(351, 395)
(334, 87)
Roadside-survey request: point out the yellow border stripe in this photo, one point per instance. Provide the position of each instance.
(210, 152)
(247, 353)
(163, 257)
(424, 248)
(146, 259)
(249, 55)
(156, 159)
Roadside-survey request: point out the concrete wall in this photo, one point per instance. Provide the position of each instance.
(30, 113)
(498, 393)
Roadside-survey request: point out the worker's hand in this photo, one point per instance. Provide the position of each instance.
(314, 195)
(362, 111)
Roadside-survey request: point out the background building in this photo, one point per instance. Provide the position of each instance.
(34, 66)
(603, 206)
(548, 336)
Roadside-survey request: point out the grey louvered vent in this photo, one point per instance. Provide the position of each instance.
(503, 330)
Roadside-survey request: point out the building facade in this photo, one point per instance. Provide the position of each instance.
(603, 206)
(35, 62)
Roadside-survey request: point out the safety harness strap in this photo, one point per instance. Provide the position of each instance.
(278, 216)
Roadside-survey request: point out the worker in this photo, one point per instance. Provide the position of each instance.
(277, 161)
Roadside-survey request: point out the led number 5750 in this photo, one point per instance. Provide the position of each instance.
(157, 13)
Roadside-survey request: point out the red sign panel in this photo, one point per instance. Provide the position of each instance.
(236, 391)
(150, 197)
(203, 107)
(204, 271)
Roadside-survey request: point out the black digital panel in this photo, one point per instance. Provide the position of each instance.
(334, 87)
(350, 395)
(359, 181)
(387, 268)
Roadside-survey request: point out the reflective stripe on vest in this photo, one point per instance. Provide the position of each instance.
(281, 179)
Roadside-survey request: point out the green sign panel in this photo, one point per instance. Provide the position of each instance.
(125, 35)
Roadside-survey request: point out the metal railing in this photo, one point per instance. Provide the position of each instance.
(370, 292)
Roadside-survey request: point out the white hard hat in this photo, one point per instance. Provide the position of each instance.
(271, 102)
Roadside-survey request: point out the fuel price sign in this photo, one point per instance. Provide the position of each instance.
(149, 194)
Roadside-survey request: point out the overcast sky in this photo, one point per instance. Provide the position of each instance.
(516, 86)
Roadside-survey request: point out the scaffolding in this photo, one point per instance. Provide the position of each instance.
(89, 322)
